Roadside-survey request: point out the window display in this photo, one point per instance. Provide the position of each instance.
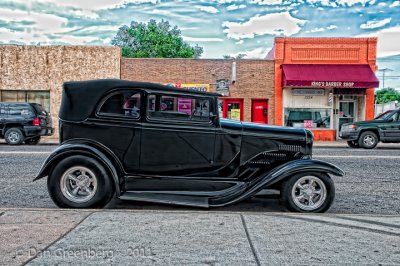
(307, 118)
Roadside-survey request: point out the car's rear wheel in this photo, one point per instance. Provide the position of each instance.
(368, 140)
(308, 192)
(80, 182)
(33, 141)
(14, 136)
(353, 144)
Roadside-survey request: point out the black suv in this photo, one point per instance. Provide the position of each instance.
(24, 122)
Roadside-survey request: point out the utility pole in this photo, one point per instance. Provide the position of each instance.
(383, 75)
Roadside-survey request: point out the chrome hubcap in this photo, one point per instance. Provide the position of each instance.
(369, 140)
(78, 184)
(309, 193)
(13, 137)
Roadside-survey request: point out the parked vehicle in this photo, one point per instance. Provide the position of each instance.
(367, 134)
(24, 122)
(175, 149)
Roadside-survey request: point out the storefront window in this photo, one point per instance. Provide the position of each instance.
(307, 118)
(40, 97)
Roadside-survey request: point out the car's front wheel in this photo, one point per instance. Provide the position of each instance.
(368, 140)
(308, 192)
(79, 182)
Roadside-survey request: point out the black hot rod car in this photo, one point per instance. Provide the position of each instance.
(149, 142)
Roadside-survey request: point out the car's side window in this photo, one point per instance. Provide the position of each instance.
(124, 104)
(2, 110)
(198, 109)
(20, 110)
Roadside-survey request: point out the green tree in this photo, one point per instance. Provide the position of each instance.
(387, 95)
(154, 40)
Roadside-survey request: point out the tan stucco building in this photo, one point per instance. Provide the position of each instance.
(36, 73)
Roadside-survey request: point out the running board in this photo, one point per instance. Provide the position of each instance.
(185, 200)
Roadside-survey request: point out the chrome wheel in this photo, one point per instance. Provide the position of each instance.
(78, 184)
(14, 137)
(369, 140)
(309, 193)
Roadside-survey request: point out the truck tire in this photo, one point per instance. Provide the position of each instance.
(368, 140)
(14, 136)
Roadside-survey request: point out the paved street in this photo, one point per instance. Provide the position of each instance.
(371, 184)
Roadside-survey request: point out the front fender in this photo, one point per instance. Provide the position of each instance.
(78, 149)
(280, 173)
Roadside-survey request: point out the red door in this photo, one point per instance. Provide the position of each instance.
(259, 110)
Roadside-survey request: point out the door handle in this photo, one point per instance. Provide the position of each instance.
(265, 112)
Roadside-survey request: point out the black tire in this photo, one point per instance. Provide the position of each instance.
(101, 196)
(33, 141)
(368, 140)
(353, 144)
(323, 202)
(14, 136)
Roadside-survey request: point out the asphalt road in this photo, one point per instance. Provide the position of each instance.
(371, 184)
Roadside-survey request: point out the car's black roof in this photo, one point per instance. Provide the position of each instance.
(79, 98)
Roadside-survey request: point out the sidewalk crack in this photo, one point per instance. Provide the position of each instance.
(59, 238)
(249, 240)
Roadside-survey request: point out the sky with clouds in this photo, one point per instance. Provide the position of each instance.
(222, 27)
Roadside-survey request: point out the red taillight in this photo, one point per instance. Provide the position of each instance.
(36, 121)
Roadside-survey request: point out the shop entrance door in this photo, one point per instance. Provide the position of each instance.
(259, 111)
(346, 114)
(233, 109)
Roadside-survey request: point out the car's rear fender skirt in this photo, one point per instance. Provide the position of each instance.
(279, 174)
(70, 149)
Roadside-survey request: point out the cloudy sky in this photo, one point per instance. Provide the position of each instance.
(222, 27)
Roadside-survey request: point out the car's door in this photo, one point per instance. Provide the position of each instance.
(391, 128)
(118, 126)
(178, 136)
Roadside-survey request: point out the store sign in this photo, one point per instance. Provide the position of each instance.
(334, 84)
(223, 87)
(234, 114)
(308, 92)
(308, 124)
(192, 87)
(185, 105)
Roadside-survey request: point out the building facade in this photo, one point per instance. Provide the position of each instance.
(248, 85)
(322, 83)
(37, 73)
(314, 83)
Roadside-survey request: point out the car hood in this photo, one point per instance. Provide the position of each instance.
(369, 122)
(248, 128)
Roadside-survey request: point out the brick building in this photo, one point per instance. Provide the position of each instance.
(316, 83)
(322, 83)
(36, 73)
(250, 96)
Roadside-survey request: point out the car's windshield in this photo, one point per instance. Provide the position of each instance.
(384, 115)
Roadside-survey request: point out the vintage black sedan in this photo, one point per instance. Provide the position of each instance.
(149, 142)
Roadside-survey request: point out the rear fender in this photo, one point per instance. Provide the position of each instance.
(285, 171)
(67, 150)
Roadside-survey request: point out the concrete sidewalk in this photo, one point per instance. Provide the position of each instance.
(64, 237)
